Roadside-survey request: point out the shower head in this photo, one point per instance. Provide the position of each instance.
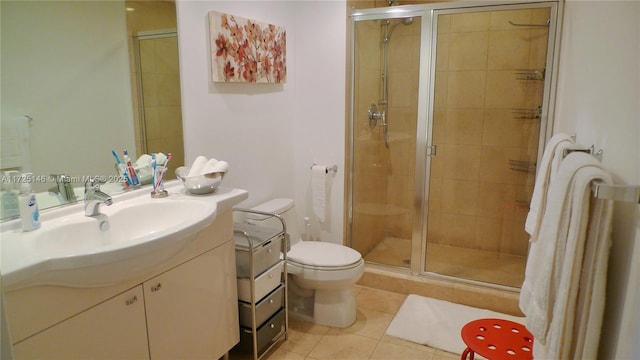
(403, 21)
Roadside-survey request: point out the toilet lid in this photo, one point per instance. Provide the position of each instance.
(325, 254)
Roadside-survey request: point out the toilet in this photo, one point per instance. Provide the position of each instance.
(321, 274)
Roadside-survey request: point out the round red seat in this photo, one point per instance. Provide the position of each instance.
(497, 339)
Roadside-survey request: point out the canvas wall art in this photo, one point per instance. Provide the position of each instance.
(244, 50)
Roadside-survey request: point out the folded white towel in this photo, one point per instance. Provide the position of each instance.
(547, 169)
(578, 299)
(221, 166)
(546, 255)
(209, 167)
(197, 166)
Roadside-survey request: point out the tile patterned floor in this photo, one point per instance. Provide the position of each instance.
(365, 339)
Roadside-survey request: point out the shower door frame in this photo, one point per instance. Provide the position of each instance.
(137, 38)
(427, 13)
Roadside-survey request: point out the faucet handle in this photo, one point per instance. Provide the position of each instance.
(93, 183)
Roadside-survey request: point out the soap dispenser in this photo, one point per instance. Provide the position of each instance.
(29, 213)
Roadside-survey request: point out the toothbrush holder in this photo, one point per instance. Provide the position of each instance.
(158, 190)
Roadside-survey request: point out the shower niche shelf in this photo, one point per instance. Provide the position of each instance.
(527, 114)
(522, 166)
(530, 74)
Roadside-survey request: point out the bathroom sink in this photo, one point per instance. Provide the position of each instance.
(126, 239)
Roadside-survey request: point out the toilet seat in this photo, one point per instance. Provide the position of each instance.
(314, 255)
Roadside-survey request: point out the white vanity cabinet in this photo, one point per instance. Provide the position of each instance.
(179, 310)
(93, 333)
(185, 307)
(185, 315)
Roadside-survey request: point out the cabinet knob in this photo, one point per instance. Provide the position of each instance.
(270, 301)
(132, 300)
(272, 326)
(156, 288)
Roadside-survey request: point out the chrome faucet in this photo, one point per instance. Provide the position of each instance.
(65, 187)
(93, 197)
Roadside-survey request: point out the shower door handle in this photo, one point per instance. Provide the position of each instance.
(432, 150)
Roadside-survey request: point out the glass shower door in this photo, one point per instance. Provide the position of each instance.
(386, 82)
(490, 69)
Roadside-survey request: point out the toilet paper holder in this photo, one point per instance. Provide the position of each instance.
(333, 169)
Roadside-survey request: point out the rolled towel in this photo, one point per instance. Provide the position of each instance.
(143, 160)
(197, 166)
(161, 159)
(209, 167)
(221, 166)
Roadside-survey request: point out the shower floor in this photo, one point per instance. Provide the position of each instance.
(472, 264)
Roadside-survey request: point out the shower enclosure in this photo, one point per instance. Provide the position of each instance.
(158, 103)
(449, 108)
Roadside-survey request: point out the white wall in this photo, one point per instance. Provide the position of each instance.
(598, 100)
(270, 134)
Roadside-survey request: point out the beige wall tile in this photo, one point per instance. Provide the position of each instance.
(468, 51)
(470, 22)
(502, 129)
(496, 200)
(459, 229)
(464, 126)
(466, 89)
(459, 197)
(461, 162)
(442, 53)
(494, 165)
(488, 233)
(504, 90)
(509, 50)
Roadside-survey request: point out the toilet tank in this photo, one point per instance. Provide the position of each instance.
(283, 207)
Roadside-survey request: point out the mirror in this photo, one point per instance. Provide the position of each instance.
(80, 79)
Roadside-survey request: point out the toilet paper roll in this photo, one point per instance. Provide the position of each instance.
(319, 190)
(209, 167)
(197, 166)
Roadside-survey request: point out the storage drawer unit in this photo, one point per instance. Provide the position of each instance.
(261, 265)
(265, 308)
(265, 333)
(263, 284)
(266, 244)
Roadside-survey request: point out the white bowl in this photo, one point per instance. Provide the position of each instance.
(201, 184)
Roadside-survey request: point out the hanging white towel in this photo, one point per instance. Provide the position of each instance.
(319, 190)
(547, 170)
(558, 274)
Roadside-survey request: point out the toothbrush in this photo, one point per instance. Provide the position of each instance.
(163, 171)
(132, 171)
(121, 167)
(153, 173)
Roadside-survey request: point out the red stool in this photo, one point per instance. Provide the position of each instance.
(497, 339)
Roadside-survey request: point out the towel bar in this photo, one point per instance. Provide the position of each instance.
(624, 193)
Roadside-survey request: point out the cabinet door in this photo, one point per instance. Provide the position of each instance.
(192, 309)
(114, 329)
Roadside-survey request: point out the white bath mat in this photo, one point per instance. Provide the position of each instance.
(437, 323)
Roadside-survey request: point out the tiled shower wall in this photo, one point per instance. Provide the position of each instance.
(477, 198)
(478, 195)
(161, 80)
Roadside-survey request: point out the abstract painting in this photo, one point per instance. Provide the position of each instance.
(244, 50)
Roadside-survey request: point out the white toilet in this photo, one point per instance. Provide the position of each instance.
(321, 274)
